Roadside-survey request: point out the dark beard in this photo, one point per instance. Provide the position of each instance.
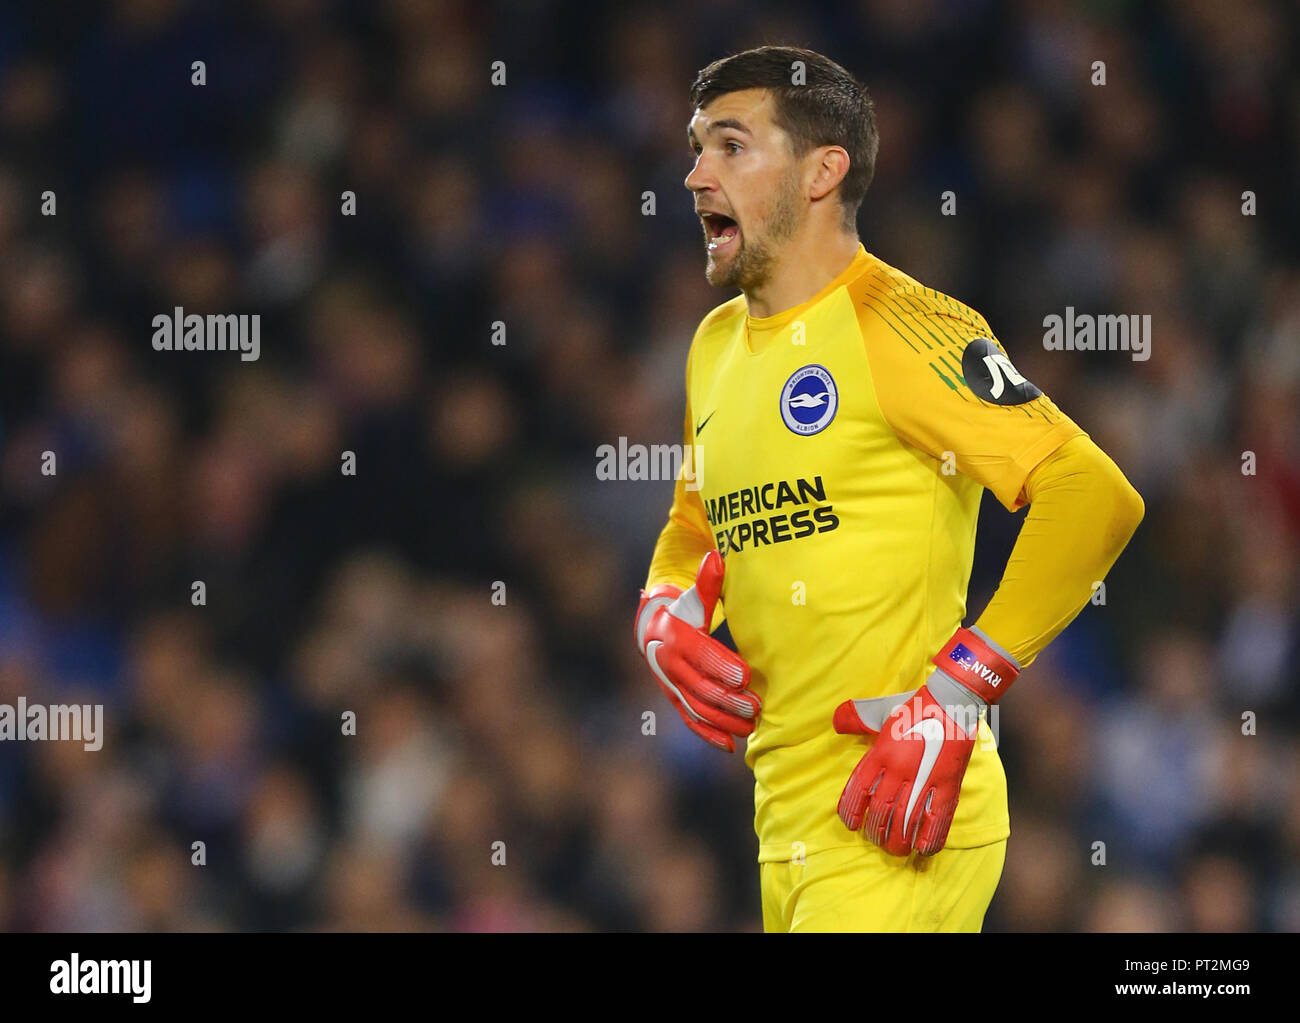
(753, 263)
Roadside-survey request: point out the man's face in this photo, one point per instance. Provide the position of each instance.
(746, 183)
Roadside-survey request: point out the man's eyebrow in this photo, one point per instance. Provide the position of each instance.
(719, 125)
(729, 122)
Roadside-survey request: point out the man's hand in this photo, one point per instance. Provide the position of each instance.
(701, 677)
(904, 792)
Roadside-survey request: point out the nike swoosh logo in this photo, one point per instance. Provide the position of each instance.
(705, 423)
(931, 730)
(652, 656)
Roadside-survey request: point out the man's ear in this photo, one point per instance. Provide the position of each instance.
(829, 170)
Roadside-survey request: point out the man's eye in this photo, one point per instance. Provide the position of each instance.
(733, 147)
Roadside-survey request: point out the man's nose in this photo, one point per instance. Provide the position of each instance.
(699, 179)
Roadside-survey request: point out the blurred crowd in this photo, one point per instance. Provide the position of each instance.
(468, 594)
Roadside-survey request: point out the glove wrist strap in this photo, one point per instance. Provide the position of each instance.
(972, 660)
(652, 599)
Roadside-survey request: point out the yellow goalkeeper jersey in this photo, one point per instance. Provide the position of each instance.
(840, 448)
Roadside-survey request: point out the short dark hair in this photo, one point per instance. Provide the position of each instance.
(832, 108)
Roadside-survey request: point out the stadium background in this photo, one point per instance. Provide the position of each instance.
(522, 203)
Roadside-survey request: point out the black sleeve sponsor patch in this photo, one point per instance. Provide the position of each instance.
(990, 375)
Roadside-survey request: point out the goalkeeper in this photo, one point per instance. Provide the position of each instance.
(845, 419)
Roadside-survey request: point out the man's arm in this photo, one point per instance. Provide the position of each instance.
(686, 537)
(1082, 512)
(705, 681)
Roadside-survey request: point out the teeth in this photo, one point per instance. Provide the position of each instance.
(715, 243)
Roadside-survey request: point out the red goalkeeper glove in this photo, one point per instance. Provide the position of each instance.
(702, 678)
(903, 793)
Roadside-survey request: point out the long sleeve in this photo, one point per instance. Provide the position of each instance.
(687, 536)
(1082, 512)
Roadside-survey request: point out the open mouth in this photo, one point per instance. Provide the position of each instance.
(721, 230)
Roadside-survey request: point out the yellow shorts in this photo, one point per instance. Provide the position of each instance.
(863, 888)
